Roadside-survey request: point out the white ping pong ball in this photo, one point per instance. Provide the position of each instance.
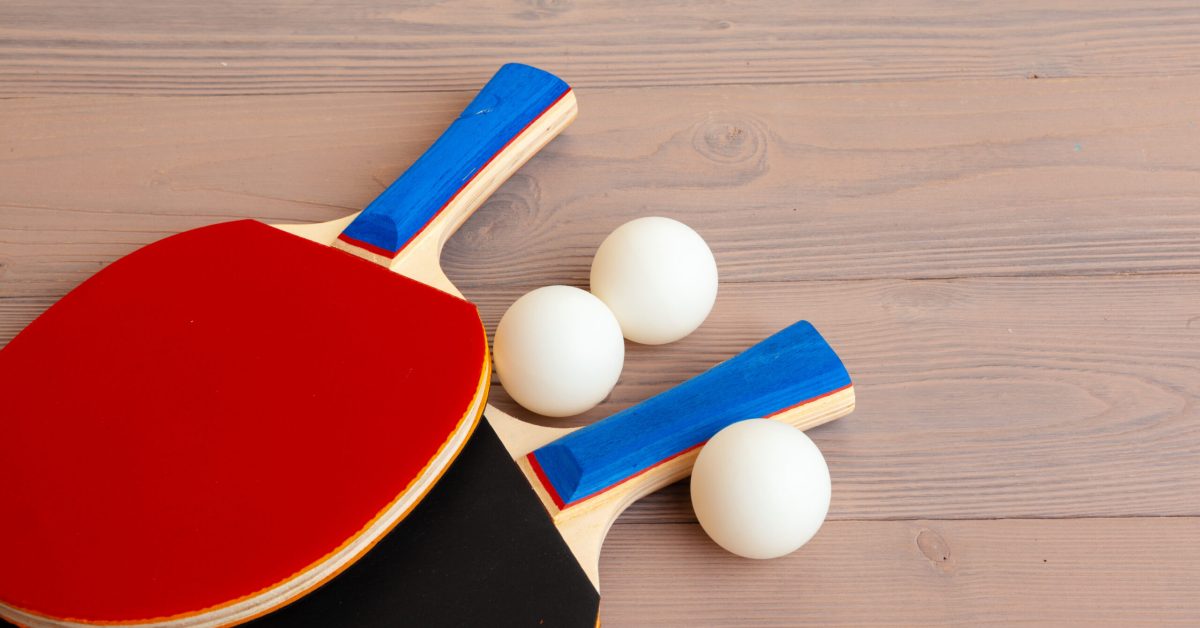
(760, 488)
(558, 351)
(659, 278)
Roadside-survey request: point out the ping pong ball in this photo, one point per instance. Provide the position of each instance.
(760, 488)
(558, 351)
(658, 276)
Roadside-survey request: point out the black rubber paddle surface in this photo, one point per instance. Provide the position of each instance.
(480, 550)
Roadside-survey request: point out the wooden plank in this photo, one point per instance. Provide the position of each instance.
(942, 179)
(1004, 397)
(1012, 397)
(284, 46)
(1081, 572)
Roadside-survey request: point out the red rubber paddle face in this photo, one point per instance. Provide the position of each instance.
(215, 413)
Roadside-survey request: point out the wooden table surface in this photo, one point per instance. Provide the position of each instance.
(992, 211)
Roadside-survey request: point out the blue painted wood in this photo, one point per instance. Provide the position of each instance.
(514, 97)
(791, 367)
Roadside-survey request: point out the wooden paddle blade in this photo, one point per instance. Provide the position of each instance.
(226, 414)
(480, 550)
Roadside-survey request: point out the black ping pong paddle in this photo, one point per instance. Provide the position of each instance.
(511, 535)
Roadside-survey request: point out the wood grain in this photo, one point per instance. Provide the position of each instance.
(932, 180)
(282, 46)
(1053, 397)
(1077, 572)
(989, 210)
(1002, 397)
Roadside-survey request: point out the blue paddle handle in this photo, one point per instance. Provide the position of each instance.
(791, 368)
(512, 100)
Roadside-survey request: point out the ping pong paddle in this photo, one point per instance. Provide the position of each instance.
(511, 535)
(222, 420)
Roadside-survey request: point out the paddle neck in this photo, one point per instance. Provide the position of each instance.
(519, 110)
(793, 376)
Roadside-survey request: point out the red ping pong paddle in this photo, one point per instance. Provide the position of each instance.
(222, 420)
(511, 535)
